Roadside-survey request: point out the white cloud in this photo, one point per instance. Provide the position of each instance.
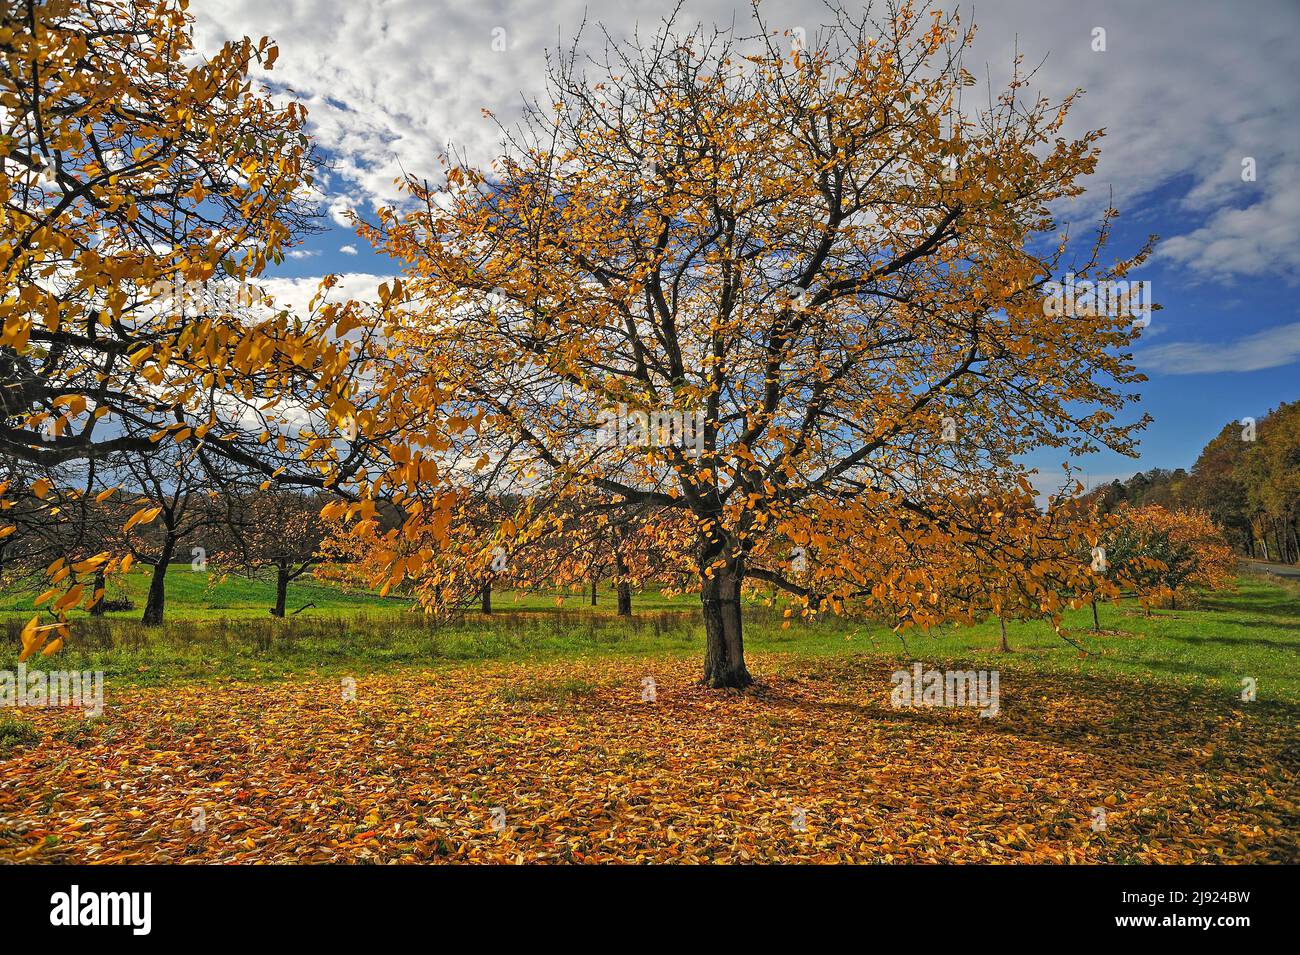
(1270, 348)
(340, 210)
(1185, 89)
(296, 294)
(1262, 238)
(303, 253)
(348, 249)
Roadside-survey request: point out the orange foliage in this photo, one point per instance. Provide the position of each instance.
(770, 248)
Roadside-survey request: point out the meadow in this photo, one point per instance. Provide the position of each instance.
(220, 628)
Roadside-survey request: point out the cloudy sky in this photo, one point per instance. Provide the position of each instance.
(1187, 90)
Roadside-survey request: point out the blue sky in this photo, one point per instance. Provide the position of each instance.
(1185, 89)
(1221, 348)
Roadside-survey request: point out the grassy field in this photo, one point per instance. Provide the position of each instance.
(194, 596)
(221, 630)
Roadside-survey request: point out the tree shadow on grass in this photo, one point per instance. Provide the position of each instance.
(1151, 726)
(1245, 640)
(1276, 604)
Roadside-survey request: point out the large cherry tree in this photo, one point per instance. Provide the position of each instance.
(817, 247)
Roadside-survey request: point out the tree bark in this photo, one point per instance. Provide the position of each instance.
(1004, 647)
(623, 588)
(724, 645)
(99, 587)
(593, 591)
(1095, 624)
(153, 608)
(281, 589)
(486, 597)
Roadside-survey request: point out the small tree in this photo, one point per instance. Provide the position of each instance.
(176, 502)
(279, 532)
(1162, 554)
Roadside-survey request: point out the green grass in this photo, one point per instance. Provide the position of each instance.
(1253, 632)
(193, 596)
(201, 596)
(15, 732)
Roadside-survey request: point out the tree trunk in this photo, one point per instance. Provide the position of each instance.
(1004, 647)
(486, 596)
(1095, 624)
(623, 588)
(281, 589)
(593, 591)
(724, 646)
(99, 587)
(153, 608)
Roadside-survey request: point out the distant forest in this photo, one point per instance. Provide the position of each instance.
(1247, 478)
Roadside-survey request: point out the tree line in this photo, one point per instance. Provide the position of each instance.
(1246, 478)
